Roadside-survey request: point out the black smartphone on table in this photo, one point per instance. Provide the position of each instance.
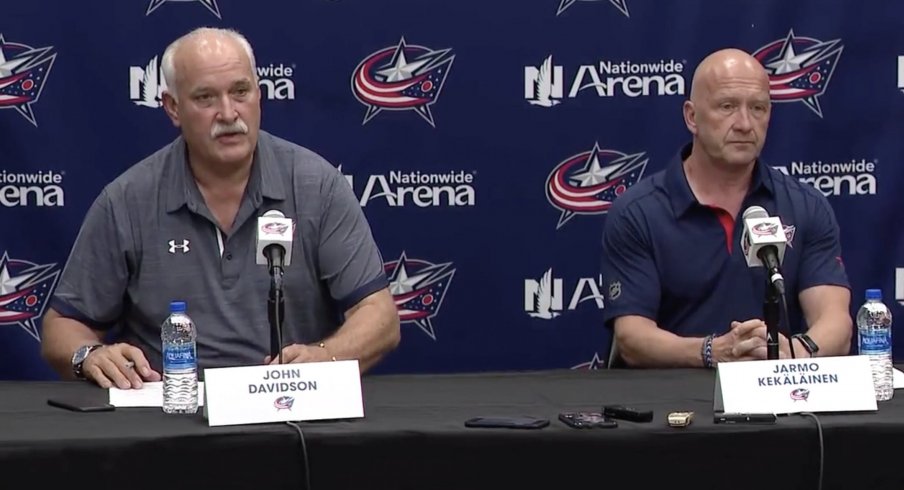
(587, 420)
(516, 422)
(80, 404)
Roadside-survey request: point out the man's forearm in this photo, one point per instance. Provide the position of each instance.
(368, 334)
(656, 348)
(60, 338)
(831, 334)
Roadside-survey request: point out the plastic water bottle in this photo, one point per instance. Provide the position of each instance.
(180, 361)
(874, 340)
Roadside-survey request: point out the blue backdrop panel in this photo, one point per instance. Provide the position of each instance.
(485, 141)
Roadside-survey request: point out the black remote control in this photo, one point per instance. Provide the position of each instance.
(627, 413)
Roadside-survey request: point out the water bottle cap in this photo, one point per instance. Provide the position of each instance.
(874, 294)
(177, 306)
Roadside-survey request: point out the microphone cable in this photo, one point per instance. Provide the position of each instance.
(304, 455)
(788, 322)
(821, 446)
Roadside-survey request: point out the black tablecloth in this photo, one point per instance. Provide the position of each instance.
(413, 437)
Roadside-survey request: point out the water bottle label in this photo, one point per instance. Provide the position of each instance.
(874, 342)
(179, 356)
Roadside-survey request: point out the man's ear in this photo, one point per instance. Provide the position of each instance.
(690, 114)
(171, 106)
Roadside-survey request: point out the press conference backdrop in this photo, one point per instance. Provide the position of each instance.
(485, 140)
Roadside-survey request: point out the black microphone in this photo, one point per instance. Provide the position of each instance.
(274, 240)
(763, 242)
(274, 249)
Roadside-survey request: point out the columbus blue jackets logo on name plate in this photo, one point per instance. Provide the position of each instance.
(588, 183)
(23, 71)
(284, 403)
(25, 289)
(799, 68)
(404, 77)
(418, 288)
(800, 394)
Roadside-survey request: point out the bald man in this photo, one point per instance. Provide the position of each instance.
(680, 293)
(181, 225)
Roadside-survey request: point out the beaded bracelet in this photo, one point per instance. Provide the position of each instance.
(706, 351)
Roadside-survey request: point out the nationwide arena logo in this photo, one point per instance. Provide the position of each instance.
(621, 5)
(23, 71)
(211, 5)
(25, 288)
(418, 288)
(589, 182)
(404, 77)
(799, 68)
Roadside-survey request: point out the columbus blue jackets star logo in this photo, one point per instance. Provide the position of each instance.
(591, 365)
(210, 4)
(418, 288)
(588, 183)
(799, 68)
(404, 77)
(621, 5)
(23, 71)
(25, 288)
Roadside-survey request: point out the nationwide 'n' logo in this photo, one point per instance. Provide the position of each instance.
(25, 288)
(621, 5)
(404, 77)
(418, 288)
(23, 71)
(588, 183)
(799, 68)
(211, 5)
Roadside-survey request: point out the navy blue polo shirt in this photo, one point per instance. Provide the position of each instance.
(667, 257)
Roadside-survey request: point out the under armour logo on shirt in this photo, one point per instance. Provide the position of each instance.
(182, 246)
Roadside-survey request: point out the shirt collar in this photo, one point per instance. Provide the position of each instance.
(182, 189)
(679, 191)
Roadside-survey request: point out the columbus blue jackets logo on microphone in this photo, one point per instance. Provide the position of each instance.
(799, 68)
(284, 403)
(23, 71)
(209, 4)
(588, 183)
(25, 288)
(765, 229)
(800, 394)
(621, 5)
(418, 288)
(404, 77)
(274, 228)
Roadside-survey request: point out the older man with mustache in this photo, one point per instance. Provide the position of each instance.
(181, 225)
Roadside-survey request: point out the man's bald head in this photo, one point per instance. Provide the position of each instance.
(729, 108)
(726, 64)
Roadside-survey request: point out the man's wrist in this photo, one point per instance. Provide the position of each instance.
(800, 348)
(706, 351)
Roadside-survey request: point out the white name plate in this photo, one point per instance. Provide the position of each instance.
(284, 392)
(823, 384)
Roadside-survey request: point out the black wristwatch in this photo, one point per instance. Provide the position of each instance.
(78, 359)
(808, 343)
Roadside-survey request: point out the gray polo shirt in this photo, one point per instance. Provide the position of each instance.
(149, 238)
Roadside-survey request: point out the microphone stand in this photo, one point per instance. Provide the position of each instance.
(772, 316)
(275, 312)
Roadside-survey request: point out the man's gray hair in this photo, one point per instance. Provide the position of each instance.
(168, 65)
